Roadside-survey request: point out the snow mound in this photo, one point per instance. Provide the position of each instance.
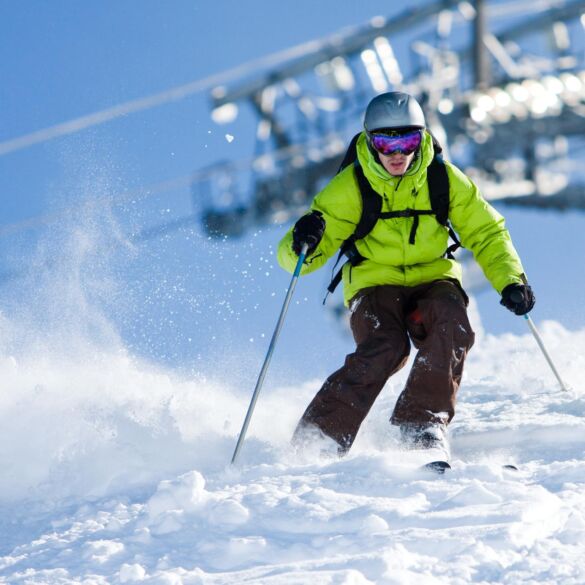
(118, 472)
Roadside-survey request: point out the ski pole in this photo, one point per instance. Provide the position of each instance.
(546, 354)
(268, 357)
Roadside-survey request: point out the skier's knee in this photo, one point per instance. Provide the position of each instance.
(464, 334)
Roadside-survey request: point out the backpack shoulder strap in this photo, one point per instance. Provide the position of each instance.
(438, 181)
(371, 205)
(371, 201)
(371, 210)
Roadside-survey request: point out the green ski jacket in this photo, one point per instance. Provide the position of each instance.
(389, 257)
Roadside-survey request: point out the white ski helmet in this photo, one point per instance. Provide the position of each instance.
(394, 109)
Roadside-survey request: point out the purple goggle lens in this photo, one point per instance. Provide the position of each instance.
(403, 143)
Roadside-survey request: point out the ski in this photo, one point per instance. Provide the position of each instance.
(438, 467)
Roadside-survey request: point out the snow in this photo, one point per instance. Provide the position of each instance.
(117, 471)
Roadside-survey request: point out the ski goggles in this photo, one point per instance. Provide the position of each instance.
(388, 144)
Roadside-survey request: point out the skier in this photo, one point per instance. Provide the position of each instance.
(401, 288)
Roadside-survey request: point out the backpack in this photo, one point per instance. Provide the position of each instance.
(438, 182)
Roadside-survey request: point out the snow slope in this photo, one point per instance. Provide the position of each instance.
(117, 472)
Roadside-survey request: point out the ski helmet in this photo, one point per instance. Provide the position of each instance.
(394, 109)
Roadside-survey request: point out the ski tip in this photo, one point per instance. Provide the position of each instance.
(437, 466)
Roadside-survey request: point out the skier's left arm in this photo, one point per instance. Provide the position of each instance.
(482, 230)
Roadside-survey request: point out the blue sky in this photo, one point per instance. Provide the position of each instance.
(180, 299)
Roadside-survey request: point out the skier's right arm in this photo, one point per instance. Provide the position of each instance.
(339, 204)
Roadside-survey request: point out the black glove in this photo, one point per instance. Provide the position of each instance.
(519, 298)
(308, 230)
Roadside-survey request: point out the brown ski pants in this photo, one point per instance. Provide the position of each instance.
(383, 318)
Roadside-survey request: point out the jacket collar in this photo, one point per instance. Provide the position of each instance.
(380, 178)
